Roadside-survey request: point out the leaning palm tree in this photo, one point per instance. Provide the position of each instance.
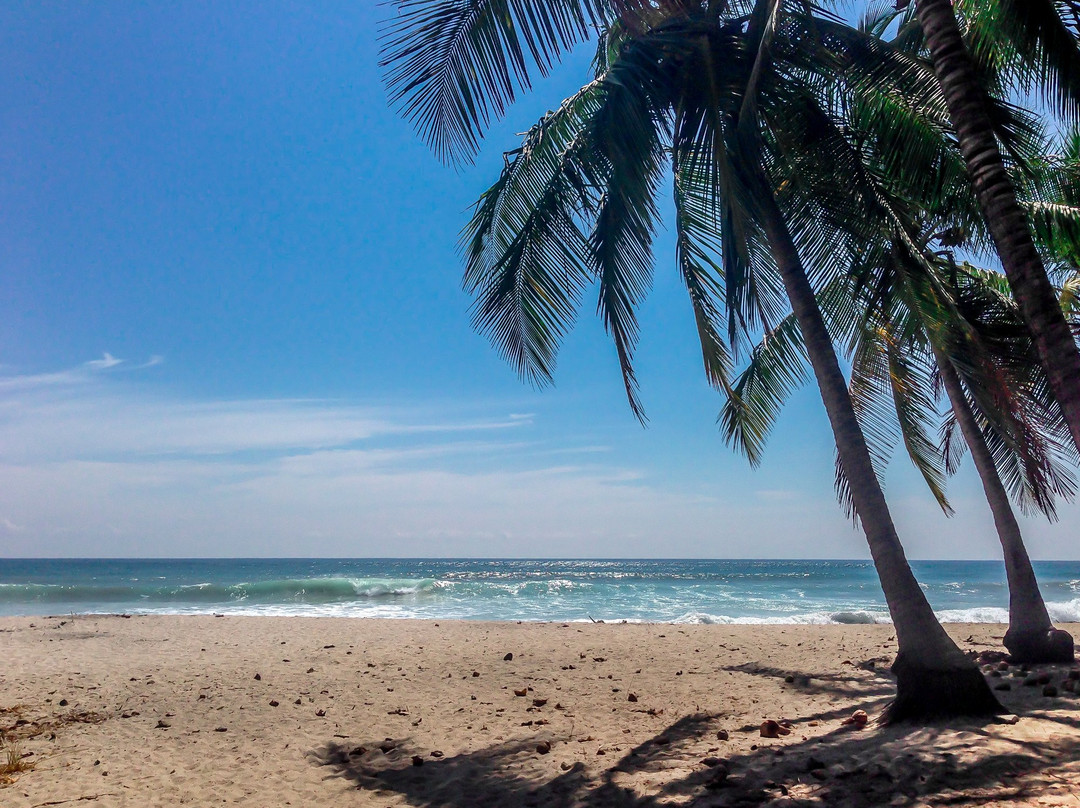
(971, 361)
(967, 334)
(1042, 40)
(970, 338)
(906, 319)
(898, 349)
(708, 90)
(960, 326)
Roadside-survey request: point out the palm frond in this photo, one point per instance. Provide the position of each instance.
(776, 368)
(870, 388)
(695, 246)
(953, 445)
(1048, 47)
(451, 66)
(913, 401)
(626, 138)
(1008, 393)
(1056, 228)
(527, 260)
(1069, 298)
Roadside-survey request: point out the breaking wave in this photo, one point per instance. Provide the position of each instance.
(287, 590)
(689, 592)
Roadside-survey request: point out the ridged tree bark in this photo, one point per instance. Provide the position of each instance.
(933, 676)
(1031, 636)
(968, 107)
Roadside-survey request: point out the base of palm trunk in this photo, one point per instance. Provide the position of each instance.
(1043, 646)
(923, 693)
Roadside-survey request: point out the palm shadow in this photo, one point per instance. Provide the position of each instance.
(500, 774)
(902, 765)
(840, 684)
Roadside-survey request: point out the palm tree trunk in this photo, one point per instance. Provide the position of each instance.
(1031, 636)
(967, 103)
(933, 676)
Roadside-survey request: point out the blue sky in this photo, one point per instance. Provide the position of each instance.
(232, 324)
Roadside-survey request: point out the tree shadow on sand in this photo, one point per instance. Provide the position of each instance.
(961, 763)
(838, 684)
(504, 774)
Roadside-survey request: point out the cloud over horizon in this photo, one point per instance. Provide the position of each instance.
(93, 463)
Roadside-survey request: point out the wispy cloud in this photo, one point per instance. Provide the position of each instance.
(113, 462)
(96, 460)
(76, 414)
(84, 373)
(107, 361)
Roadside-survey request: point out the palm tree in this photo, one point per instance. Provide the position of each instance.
(905, 321)
(1031, 636)
(973, 339)
(1038, 33)
(713, 87)
(897, 347)
(961, 324)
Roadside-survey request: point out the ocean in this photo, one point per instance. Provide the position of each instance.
(636, 590)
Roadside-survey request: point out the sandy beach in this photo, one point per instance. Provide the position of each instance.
(265, 711)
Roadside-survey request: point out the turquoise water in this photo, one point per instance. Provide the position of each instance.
(687, 591)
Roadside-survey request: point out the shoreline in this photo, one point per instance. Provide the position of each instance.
(739, 622)
(92, 692)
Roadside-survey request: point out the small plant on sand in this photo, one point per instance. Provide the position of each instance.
(11, 760)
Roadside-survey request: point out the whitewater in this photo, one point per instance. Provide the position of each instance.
(634, 590)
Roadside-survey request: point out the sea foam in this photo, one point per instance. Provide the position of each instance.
(641, 590)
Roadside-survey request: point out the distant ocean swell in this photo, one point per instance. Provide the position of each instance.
(702, 592)
(309, 590)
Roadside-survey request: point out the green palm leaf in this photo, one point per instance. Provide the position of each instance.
(695, 246)
(451, 66)
(1048, 48)
(527, 260)
(626, 139)
(777, 367)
